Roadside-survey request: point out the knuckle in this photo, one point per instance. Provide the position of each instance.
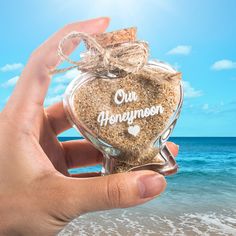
(115, 190)
(35, 57)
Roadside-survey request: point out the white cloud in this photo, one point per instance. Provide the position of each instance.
(11, 67)
(205, 106)
(59, 88)
(211, 109)
(53, 99)
(59, 84)
(11, 82)
(176, 66)
(67, 77)
(224, 65)
(180, 50)
(190, 92)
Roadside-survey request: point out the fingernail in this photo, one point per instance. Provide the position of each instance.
(151, 185)
(102, 19)
(173, 144)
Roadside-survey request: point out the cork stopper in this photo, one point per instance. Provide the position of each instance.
(116, 37)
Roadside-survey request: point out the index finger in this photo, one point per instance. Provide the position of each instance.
(31, 89)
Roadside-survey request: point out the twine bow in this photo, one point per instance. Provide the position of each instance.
(128, 57)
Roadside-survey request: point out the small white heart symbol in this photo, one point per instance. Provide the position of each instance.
(134, 130)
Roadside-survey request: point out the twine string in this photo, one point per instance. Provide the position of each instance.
(127, 57)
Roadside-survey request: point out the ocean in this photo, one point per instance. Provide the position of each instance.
(199, 200)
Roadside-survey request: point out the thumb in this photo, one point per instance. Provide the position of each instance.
(113, 191)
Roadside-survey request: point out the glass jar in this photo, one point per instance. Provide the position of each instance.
(128, 118)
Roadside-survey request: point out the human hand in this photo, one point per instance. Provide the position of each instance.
(37, 194)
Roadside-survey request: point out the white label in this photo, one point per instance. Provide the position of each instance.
(122, 97)
(134, 130)
(105, 118)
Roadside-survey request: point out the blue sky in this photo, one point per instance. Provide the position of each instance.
(197, 37)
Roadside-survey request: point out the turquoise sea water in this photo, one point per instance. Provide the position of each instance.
(200, 199)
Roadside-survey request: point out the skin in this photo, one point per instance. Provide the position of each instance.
(37, 195)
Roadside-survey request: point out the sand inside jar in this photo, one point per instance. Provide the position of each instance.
(152, 90)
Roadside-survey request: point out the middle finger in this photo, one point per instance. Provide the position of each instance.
(80, 153)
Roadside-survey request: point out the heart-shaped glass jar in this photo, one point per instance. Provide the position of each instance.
(130, 118)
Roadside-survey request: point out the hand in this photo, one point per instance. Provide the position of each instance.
(37, 195)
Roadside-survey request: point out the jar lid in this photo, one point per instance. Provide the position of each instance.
(116, 37)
